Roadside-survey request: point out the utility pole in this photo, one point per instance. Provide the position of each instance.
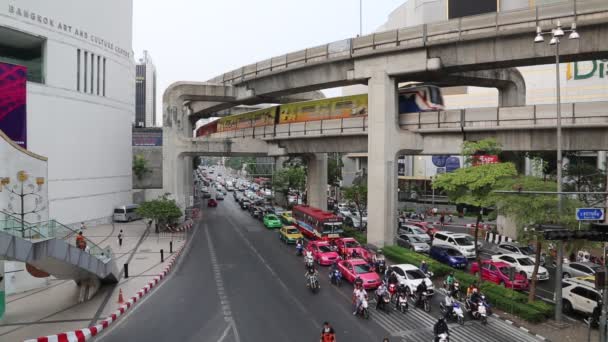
(360, 18)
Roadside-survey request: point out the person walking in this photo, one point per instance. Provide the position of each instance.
(82, 226)
(120, 238)
(80, 242)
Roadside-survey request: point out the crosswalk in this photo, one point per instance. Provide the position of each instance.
(416, 325)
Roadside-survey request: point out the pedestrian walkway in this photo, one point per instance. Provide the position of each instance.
(55, 308)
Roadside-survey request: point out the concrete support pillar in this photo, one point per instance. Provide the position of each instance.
(383, 146)
(316, 181)
(601, 160)
(177, 167)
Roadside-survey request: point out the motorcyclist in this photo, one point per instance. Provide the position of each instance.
(474, 300)
(440, 327)
(450, 282)
(308, 259)
(449, 305)
(359, 294)
(311, 272)
(379, 259)
(354, 254)
(401, 296)
(380, 291)
(420, 289)
(327, 333)
(299, 247)
(392, 278)
(359, 283)
(424, 267)
(332, 270)
(470, 290)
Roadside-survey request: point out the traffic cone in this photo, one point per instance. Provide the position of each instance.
(120, 299)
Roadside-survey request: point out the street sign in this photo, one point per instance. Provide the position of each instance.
(589, 214)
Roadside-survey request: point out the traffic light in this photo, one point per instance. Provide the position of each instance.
(564, 234)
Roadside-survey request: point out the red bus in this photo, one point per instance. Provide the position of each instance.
(316, 223)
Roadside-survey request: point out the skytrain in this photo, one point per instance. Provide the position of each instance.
(412, 99)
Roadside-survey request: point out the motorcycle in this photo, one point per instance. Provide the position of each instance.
(313, 284)
(385, 302)
(455, 290)
(481, 314)
(402, 304)
(335, 277)
(309, 262)
(444, 337)
(392, 290)
(424, 301)
(299, 250)
(363, 310)
(456, 315)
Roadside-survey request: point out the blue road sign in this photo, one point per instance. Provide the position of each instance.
(589, 214)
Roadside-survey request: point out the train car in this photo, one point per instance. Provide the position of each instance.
(420, 98)
(257, 118)
(325, 109)
(207, 129)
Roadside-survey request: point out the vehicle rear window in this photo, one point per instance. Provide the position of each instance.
(464, 241)
(525, 262)
(119, 211)
(292, 231)
(415, 274)
(351, 244)
(362, 269)
(453, 252)
(324, 249)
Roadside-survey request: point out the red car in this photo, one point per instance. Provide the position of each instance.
(347, 245)
(498, 272)
(322, 252)
(353, 268)
(212, 203)
(427, 227)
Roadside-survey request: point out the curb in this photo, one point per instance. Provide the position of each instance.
(542, 338)
(87, 333)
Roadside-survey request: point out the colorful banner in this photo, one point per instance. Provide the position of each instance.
(13, 114)
(483, 159)
(147, 138)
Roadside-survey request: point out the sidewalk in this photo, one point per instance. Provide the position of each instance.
(55, 308)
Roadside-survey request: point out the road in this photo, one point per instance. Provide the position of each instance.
(237, 282)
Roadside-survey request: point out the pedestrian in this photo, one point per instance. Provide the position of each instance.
(442, 219)
(385, 339)
(327, 333)
(120, 238)
(82, 226)
(80, 243)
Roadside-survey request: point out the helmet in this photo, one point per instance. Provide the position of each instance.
(423, 262)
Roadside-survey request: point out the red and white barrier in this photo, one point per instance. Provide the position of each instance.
(86, 334)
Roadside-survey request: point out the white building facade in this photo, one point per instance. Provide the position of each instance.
(80, 98)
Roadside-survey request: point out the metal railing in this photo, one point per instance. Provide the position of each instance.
(462, 29)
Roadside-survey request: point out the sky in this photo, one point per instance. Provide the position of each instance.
(195, 40)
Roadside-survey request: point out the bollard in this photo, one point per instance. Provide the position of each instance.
(126, 270)
(171, 247)
(162, 256)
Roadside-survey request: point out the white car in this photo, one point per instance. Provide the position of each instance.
(465, 243)
(579, 295)
(512, 248)
(413, 230)
(523, 264)
(411, 276)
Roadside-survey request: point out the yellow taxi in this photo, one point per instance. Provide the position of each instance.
(286, 218)
(290, 234)
(589, 279)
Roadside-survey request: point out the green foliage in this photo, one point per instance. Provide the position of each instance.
(583, 176)
(290, 178)
(140, 166)
(486, 146)
(357, 194)
(161, 210)
(334, 169)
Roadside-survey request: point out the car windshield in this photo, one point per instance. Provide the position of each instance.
(504, 269)
(415, 274)
(292, 231)
(351, 244)
(464, 241)
(324, 249)
(453, 252)
(525, 262)
(362, 269)
(332, 228)
(417, 231)
(272, 217)
(287, 215)
(414, 238)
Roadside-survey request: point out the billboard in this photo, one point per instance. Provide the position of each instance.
(465, 8)
(148, 137)
(13, 114)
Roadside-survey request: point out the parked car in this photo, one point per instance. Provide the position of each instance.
(211, 203)
(498, 272)
(353, 268)
(413, 242)
(579, 269)
(579, 295)
(523, 264)
(511, 247)
(463, 242)
(272, 221)
(448, 255)
(413, 230)
(427, 227)
(411, 276)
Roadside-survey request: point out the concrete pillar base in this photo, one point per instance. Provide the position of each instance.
(316, 181)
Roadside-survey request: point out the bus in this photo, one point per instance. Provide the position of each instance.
(126, 213)
(316, 223)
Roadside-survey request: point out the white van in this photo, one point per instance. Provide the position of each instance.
(465, 243)
(126, 213)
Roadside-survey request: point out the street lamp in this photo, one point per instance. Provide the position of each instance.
(556, 34)
(24, 189)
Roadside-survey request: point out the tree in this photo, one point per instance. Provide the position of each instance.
(357, 194)
(334, 169)
(140, 166)
(290, 178)
(527, 210)
(474, 185)
(162, 211)
(582, 176)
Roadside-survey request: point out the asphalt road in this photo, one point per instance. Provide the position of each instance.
(237, 282)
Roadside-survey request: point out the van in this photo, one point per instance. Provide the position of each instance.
(462, 242)
(126, 213)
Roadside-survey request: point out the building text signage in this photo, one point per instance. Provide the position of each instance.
(66, 28)
(587, 69)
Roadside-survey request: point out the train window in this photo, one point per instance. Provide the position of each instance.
(308, 109)
(436, 97)
(344, 105)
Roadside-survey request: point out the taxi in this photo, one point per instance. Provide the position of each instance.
(290, 234)
(348, 245)
(286, 218)
(353, 268)
(272, 221)
(322, 252)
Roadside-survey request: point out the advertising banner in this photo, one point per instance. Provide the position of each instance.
(483, 159)
(13, 115)
(148, 138)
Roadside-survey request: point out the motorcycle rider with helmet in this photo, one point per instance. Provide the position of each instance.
(380, 291)
(449, 305)
(420, 289)
(450, 282)
(441, 327)
(311, 272)
(424, 267)
(359, 294)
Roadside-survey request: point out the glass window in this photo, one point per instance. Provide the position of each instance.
(465, 241)
(86, 59)
(453, 252)
(119, 211)
(398, 271)
(525, 262)
(507, 259)
(23, 49)
(78, 69)
(362, 269)
(415, 274)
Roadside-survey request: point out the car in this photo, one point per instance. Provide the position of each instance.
(427, 227)
(272, 221)
(353, 221)
(212, 203)
(510, 248)
(286, 218)
(523, 264)
(348, 245)
(448, 255)
(353, 268)
(413, 230)
(255, 212)
(465, 243)
(322, 252)
(579, 295)
(579, 269)
(498, 272)
(290, 234)
(219, 196)
(245, 204)
(411, 276)
(413, 242)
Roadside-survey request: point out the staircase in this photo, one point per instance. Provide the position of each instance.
(49, 247)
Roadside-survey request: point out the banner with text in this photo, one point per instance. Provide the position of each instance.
(13, 114)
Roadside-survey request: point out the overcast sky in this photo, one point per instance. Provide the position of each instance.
(195, 40)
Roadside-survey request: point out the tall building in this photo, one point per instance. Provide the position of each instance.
(79, 99)
(145, 92)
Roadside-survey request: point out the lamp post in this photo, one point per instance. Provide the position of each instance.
(556, 34)
(360, 18)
